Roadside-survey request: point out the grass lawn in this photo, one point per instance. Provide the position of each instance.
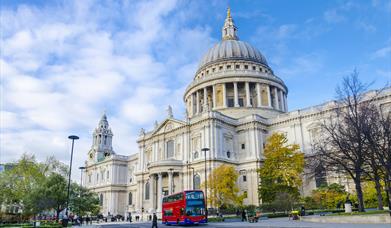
(359, 213)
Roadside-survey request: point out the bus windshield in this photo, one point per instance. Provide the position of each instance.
(195, 204)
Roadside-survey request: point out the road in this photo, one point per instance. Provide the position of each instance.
(275, 222)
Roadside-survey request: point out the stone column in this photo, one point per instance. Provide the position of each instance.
(214, 96)
(286, 102)
(269, 95)
(276, 98)
(236, 98)
(170, 182)
(248, 103)
(159, 192)
(259, 100)
(198, 102)
(152, 189)
(224, 96)
(191, 111)
(205, 99)
(282, 101)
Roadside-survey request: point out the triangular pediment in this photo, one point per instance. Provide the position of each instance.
(168, 125)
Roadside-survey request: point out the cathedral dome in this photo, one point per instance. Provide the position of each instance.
(235, 79)
(232, 50)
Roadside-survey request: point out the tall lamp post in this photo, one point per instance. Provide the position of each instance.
(206, 184)
(73, 138)
(192, 177)
(81, 175)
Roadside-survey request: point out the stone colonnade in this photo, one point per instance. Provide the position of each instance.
(153, 199)
(237, 94)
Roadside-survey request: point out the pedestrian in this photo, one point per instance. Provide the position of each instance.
(154, 221)
(87, 219)
(243, 215)
(130, 217)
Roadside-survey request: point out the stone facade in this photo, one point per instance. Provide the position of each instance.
(233, 104)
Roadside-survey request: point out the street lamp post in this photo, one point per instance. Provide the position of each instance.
(73, 138)
(81, 175)
(206, 184)
(192, 177)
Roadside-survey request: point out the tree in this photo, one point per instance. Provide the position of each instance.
(18, 182)
(223, 188)
(83, 201)
(51, 194)
(342, 145)
(329, 196)
(377, 131)
(281, 170)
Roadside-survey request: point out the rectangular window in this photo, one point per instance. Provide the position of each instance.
(241, 102)
(243, 146)
(246, 67)
(254, 68)
(244, 178)
(170, 149)
(245, 194)
(220, 67)
(237, 66)
(230, 102)
(228, 66)
(108, 174)
(213, 69)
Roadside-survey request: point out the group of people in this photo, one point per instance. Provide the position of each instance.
(77, 220)
(152, 218)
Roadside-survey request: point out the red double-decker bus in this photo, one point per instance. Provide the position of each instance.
(183, 208)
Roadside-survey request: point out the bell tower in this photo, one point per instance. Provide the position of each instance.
(101, 141)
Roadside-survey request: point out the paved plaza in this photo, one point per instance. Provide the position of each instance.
(276, 222)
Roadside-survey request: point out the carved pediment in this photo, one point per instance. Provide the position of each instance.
(168, 125)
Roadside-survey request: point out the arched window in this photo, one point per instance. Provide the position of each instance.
(197, 181)
(130, 200)
(147, 191)
(228, 154)
(196, 155)
(101, 199)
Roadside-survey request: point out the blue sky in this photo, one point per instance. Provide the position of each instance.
(63, 63)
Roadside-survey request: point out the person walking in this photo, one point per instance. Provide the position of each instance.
(154, 221)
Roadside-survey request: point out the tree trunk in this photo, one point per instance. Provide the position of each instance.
(388, 192)
(357, 182)
(58, 214)
(378, 192)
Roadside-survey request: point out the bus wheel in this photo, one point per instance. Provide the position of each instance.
(168, 224)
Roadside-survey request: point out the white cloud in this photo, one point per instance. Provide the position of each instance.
(333, 16)
(382, 52)
(63, 64)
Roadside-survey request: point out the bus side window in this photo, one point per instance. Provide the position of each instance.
(182, 211)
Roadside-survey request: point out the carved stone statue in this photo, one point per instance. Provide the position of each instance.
(169, 112)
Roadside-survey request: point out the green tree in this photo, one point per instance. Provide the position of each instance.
(282, 168)
(51, 194)
(223, 188)
(18, 182)
(329, 196)
(83, 201)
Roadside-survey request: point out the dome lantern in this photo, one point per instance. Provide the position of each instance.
(229, 28)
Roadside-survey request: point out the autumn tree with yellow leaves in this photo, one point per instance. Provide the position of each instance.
(222, 187)
(281, 170)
